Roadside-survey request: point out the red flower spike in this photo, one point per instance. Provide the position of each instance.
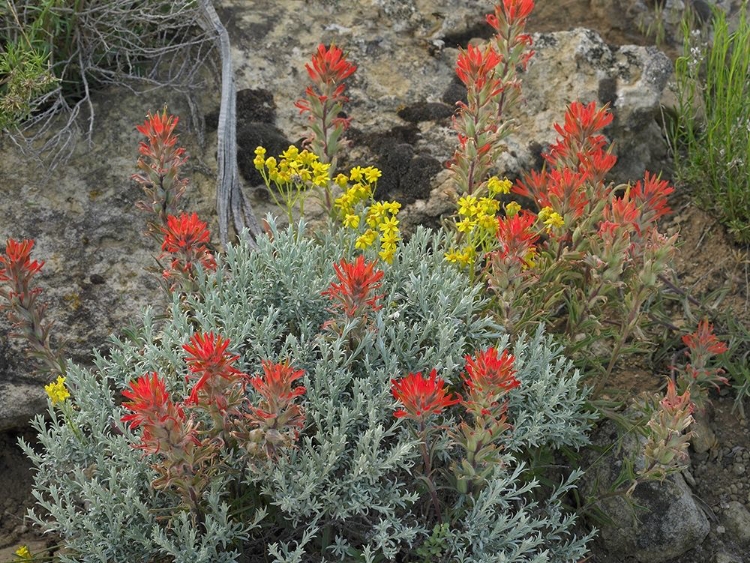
(673, 403)
(490, 374)
(703, 341)
(16, 264)
(515, 235)
(150, 401)
(582, 121)
(329, 66)
(511, 12)
(186, 237)
(651, 197)
(209, 359)
(474, 65)
(358, 282)
(275, 386)
(165, 428)
(421, 397)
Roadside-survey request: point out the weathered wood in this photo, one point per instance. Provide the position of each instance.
(231, 203)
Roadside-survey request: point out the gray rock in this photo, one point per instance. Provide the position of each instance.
(737, 521)
(723, 557)
(662, 522)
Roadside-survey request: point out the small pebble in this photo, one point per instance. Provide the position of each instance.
(738, 469)
(720, 529)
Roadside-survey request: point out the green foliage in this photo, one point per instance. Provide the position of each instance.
(711, 129)
(347, 492)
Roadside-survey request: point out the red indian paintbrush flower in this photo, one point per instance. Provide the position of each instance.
(490, 373)
(165, 428)
(24, 311)
(474, 65)
(703, 341)
(209, 360)
(651, 197)
(186, 238)
(275, 386)
(160, 164)
(329, 65)
(420, 396)
(359, 279)
(16, 265)
(516, 237)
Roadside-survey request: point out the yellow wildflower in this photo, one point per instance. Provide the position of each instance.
(465, 225)
(488, 223)
(310, 159)
(372, 174)
(512, 209)
(390, 238)
(351, 220)
(488, 206)
(260, 158)
(386, 254)
(376, 214)
(366, 239)
(529, 259)
(392, 206)
(57, 391)
(356, 173)
(388, 225)
(271, 163)
(544, 213)
(467, 206)
(341, 181)
(497, 186)
(554, 220)
(24, 554)
(291, 153)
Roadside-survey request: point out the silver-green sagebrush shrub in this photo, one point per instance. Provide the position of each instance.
(348, 458)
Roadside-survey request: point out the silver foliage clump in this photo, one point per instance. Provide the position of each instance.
(347, 491)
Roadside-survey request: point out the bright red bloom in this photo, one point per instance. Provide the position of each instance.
(150, 401)
(209, 359)
(515, 235)
(158, 128)
(489, 373)
(703, 341)
(674, 404)
(623, 212)
(165, 428)
(651, 197)
(329, 65)
(514, 12)
(583, 121)
(421, 396)
(275, 386)
(16, 265)
(475, 65)
(359, 280)
(186, 238)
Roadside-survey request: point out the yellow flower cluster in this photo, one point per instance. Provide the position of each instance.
(57, 391)
(24, 554)
(477, 222)
(550, 218)
(293, 167)
(496, 186)
(379, 217)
